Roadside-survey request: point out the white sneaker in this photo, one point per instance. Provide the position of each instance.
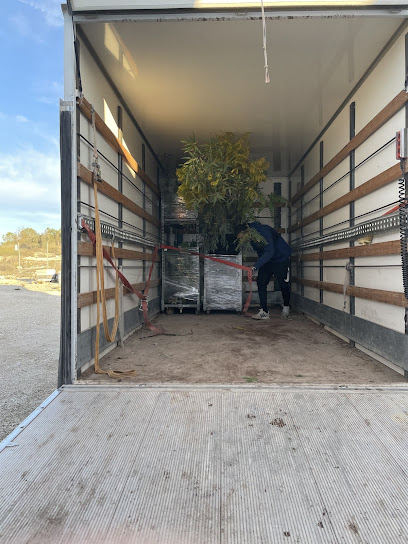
(285, 311)
(261, 315)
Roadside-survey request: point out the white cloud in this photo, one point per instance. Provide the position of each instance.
(30, 189)
(29, 176)
(49, 92)
(30, 130)
(22, 24)
(51, 9)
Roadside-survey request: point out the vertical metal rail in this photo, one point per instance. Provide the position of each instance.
(120, 174)
(290, 222)
(69, 267)
(302, 183)
(158, 209)
(352, 185)
(144, 206)
(321, 202)
(406, 175)
(289, 210)
(64, 367)
(120, 225)
(277, 220)
(78, 153)
(277, 189)
(163, 240)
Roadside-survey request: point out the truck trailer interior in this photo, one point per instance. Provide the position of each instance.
(227, 429)
(156, 80)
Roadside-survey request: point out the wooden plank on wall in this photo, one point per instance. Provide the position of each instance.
(373, 184)
(87, 249)
(375, 295)
(382, 248)
(113, 141)
(86, 299)
(382, 117)
(104, 187)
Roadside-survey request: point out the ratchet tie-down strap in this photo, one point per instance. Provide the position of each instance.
(143, 296)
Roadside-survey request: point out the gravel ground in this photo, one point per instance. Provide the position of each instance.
(29, 348)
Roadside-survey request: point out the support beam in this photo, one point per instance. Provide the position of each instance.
(382, 248)
(376, 295)
(86, 299)
(378, 121)
(375, 183)
(87, 249)
(65, 375)
(86, 108)
(107, 189)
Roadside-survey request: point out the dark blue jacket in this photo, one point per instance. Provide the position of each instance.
(276, 249)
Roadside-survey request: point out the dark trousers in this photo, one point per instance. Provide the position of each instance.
(280, 271)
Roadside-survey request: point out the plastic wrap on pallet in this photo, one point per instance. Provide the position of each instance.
(175, 209)
(181, 282)
(222, 284)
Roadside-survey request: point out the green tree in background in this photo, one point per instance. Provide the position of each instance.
(29, 238)
(10, 238)
(52, 237)
(25, 251)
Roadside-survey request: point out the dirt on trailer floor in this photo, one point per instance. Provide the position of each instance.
(227, 348)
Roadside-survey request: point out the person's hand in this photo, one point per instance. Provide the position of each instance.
(254, 273)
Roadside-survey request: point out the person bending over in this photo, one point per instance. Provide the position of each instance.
(273, 260)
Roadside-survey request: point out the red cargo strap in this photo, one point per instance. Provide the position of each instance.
(141, 296)
(395, 208)
(153, 328)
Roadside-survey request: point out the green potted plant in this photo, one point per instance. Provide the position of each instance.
(223, 186)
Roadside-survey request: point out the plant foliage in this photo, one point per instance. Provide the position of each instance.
(223, 186)
(247, 236)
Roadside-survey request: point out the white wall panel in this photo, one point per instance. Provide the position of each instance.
(312, 229)
(385, 273)
(311, 163)
(337, 220)
(387, 315)
(336, 301)
(384, 83)
(337, 136)
(98, 92)
(378, 199)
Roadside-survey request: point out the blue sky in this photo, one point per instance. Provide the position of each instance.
(31, 64)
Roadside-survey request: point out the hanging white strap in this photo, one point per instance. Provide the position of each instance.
(267, 80)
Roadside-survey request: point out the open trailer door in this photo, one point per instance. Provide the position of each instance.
(151, 88)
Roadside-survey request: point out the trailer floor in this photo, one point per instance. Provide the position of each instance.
(206, 464)
(233, 349)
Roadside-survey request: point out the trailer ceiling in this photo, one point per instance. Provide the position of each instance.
(180, 77)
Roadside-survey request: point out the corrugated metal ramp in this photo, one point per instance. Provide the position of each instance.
(203, 465)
